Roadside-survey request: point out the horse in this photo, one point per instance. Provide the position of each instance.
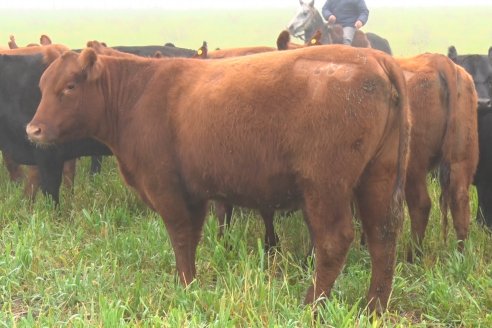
(307, 21)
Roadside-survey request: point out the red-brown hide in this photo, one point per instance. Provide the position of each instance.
(444, 134)
(12, 43)
(284, 43)
(237, 52)
(223, 210)
(311, 127)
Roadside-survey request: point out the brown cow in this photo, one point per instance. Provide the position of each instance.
(312, 127)
(12, 43)
(16, 173)
(223, 211)
(44, 40)
(236, 52)
(444, 134)
(284, 43)
(465, 156)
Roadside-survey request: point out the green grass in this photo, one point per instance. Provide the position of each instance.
(104, 259)
(410, 30)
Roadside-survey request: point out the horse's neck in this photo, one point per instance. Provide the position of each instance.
(318, 24)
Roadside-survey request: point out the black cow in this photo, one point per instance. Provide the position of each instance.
(167, 50)
(19, 98)
(480, 68)
(379, 43)
(150, 51)
(483, 177)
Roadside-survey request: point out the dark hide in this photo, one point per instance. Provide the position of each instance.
(19, 98)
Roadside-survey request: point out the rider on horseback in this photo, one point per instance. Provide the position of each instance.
(351, 14)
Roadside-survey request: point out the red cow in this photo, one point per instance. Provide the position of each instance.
(444, 134)
(12, 43)
(458, 173)
(312, 127)
(223, 210)
(235, 52)
(284, 43)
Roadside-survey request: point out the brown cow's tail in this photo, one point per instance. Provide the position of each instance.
(444, 182)
(402, 105)
(449, 86)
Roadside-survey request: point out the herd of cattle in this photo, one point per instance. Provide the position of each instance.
(312, 128)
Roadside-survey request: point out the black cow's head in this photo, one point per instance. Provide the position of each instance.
(480, 68)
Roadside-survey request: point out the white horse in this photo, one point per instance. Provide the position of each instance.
(308, 20)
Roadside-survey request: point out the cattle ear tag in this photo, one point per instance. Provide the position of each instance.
(313, 41)
(199, 52)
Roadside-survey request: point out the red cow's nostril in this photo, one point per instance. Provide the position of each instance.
(33, 130)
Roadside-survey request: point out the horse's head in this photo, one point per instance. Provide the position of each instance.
(303, 19)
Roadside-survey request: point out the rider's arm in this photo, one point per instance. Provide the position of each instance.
(326, 11)
(364, 12)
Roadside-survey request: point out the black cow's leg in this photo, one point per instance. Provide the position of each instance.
(224, 215)
(96, 163)
(51, 176)
(271, 238)
(484, 211)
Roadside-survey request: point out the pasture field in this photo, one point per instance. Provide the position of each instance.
(410, 31)
(104, 259)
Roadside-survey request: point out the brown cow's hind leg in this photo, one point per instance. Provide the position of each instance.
(69, 173)
(459, 201)
(32, 183)
(332, 233)
(15, 170)
(381, 222)
(419, 205)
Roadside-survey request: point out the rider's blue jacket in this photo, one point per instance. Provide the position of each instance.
(347, 12)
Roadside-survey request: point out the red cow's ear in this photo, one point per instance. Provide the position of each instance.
(90, 64)
(96, 45)
(51, 54)
(45, 40)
